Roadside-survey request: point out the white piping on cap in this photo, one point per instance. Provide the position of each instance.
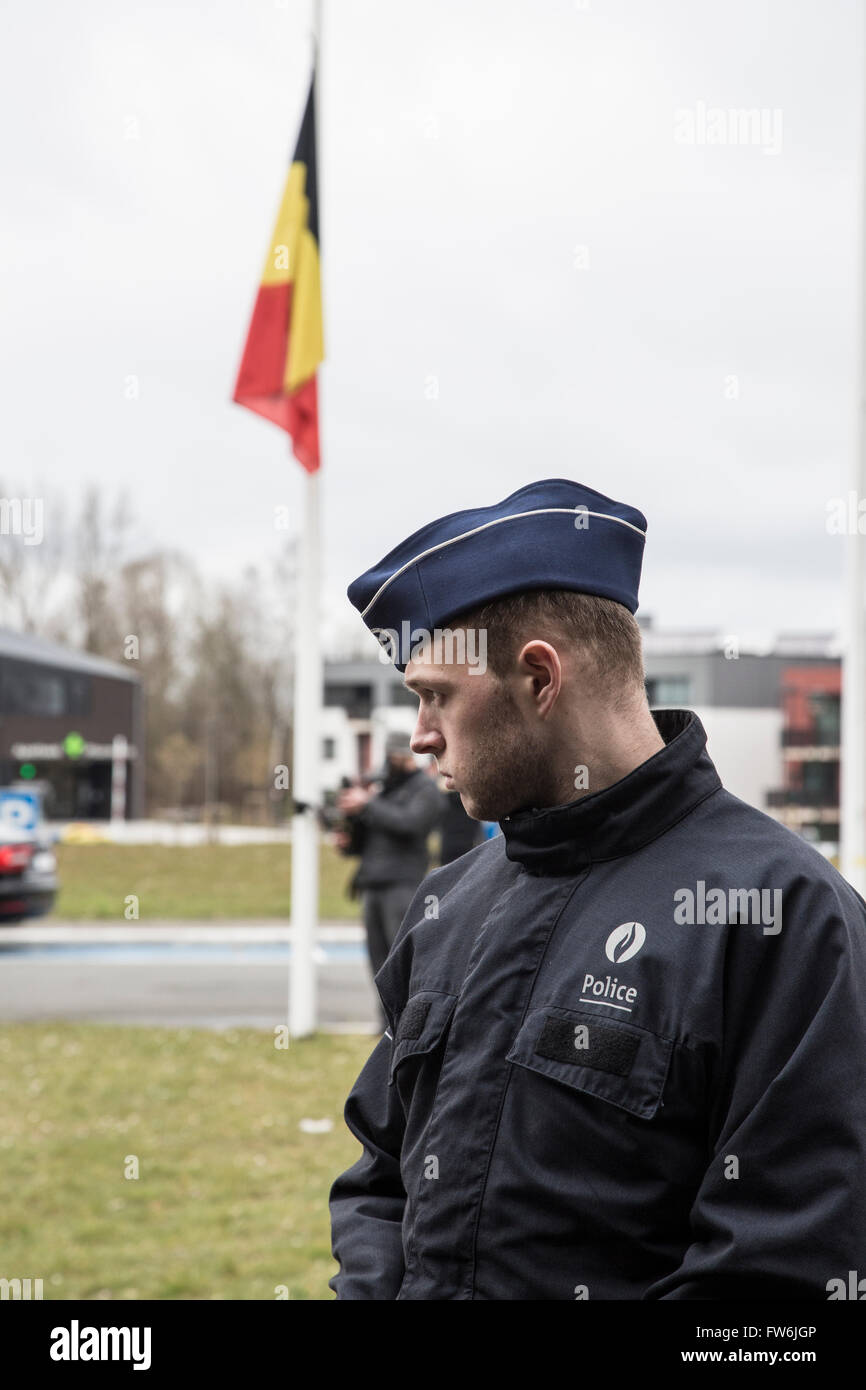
(516, 516)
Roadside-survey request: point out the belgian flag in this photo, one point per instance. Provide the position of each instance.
(277, 377)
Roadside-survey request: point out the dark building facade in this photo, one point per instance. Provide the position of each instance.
(61, 714)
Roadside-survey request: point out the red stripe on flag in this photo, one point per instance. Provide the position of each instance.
(263, 365)
(260, 384)
(303, 424)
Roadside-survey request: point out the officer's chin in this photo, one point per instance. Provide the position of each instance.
(472, 809)
(482, 812)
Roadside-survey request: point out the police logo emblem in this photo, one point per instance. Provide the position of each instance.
(624, 942)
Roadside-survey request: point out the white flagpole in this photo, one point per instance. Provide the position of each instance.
(853, 751)
(305, 776)
(306, 740)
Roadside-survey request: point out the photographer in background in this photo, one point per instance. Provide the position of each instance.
(389, 829)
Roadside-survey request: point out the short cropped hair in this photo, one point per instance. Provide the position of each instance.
(603, 629)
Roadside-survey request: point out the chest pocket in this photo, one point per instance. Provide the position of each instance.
(422, 1025)
(618, 1062)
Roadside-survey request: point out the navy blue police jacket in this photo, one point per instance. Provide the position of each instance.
(626, 1060)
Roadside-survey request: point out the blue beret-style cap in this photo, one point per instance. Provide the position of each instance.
(554, 534)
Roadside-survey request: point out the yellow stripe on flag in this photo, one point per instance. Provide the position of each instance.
(306, 346)
(291, 220)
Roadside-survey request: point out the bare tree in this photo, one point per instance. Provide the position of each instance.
(101, 541)
(34, 590)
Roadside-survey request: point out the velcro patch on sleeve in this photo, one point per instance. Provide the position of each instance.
(595, 1045)
(413, 1018)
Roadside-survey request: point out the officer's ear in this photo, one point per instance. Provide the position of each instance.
(540, 670)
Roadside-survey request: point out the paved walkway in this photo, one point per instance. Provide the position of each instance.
(153, 973)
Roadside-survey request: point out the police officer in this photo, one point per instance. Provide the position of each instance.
(389, 828)
(626, 1041)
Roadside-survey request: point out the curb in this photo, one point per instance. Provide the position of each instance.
(56, 933)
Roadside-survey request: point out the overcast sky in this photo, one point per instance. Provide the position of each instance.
(528, 272)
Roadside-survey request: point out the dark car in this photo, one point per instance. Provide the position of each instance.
(28, 875)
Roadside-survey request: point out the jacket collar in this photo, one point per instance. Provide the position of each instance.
(623, 817)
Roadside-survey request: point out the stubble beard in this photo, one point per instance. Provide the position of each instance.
(508, 768)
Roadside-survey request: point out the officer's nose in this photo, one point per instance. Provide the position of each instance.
(426, 740)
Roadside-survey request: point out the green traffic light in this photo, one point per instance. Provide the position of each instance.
(27, 771)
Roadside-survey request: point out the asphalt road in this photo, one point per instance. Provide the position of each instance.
(177, 986)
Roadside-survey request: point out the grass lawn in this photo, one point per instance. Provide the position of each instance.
(196, 881)
(231, 1197)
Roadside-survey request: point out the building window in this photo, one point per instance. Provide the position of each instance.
(356, 700)
(820, 784)
(669, 690)
(42, 691)
(329, 748)
(825, 712)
